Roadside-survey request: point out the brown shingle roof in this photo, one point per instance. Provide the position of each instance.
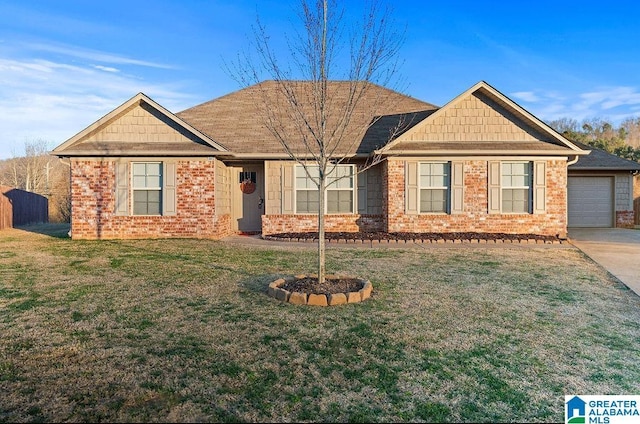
(237, 120)
(599, 159)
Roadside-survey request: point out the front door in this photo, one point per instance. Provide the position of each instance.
(248, 198)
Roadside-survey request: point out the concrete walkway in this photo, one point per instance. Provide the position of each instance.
(617, 250)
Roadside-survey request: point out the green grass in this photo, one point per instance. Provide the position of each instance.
(182, 330)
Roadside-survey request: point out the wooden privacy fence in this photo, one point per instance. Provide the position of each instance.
(19, 207)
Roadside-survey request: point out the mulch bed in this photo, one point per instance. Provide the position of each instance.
(413, 237)
(310, 285)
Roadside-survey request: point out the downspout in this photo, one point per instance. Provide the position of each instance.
(571, 162)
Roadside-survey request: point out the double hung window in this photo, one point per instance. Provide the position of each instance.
(434, 187)
(516, 187)
(147, 188)
(340, 190)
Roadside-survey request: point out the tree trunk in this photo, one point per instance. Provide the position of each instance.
(321, 241)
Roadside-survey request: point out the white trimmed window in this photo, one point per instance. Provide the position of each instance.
(147, 188)
(434, 183)
(340, 190)
(516, 187)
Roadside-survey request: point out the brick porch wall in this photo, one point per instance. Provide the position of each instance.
(93, 205)
(350, 223)
(625, 219)
(475, 217)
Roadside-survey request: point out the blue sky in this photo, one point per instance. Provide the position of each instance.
(64, 64)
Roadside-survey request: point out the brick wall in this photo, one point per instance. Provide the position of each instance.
(93, 205)
(624, 219)
(351, 223)
(475, 217)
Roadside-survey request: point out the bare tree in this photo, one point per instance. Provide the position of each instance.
(632, 128)
(38, 172)
(30, 172)
(314, 128)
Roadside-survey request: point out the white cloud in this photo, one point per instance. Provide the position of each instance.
(93, 55)
(106, 68)
(611, 103)
(52, 100)
(527, 96)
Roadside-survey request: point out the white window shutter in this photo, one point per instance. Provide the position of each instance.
(539, 187)
(122, 188)
(411, 199)
(457, 187)
(494, 192)
(169, 204)
(287, 188)
(362, 192)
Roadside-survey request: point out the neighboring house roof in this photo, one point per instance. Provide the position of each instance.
(118, 133)
(237, 120)
(482, 120)
(600, 160)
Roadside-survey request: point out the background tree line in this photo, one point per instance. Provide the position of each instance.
(622, 140)
(39, 172)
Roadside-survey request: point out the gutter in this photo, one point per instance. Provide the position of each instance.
(480, 152)
(574, 160)
(130, 153)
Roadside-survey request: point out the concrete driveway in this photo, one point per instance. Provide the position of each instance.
(616, 249)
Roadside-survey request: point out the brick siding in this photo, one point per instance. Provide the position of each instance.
(624, 219)
(93, 205)
(475, 216)
(350, 223)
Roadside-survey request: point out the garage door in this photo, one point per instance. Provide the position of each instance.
(590, 202)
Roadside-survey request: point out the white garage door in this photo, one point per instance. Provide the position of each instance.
(590, 201)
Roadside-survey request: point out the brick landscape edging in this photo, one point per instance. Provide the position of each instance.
(298, 298)
(407, 237)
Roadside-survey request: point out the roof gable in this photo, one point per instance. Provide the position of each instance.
(139, 126)
(482, 119)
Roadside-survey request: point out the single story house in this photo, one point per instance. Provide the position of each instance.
(480, 163)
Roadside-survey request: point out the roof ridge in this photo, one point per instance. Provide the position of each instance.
(272, 81)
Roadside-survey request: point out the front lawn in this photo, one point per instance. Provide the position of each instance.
(182, 331)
